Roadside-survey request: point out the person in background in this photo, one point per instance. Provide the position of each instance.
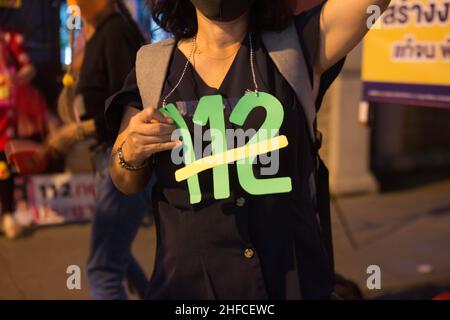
(16, 71)
(113, 39)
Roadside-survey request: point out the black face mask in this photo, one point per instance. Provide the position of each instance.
(222, 10)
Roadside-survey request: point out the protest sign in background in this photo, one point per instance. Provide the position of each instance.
(406, 56)
(55, 199)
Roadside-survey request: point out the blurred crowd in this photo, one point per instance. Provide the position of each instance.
(35, 140)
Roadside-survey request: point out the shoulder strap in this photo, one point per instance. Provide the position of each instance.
(286, 52)
(152, 62)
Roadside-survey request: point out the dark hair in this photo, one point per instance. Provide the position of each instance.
(125, 13)
(179, 18)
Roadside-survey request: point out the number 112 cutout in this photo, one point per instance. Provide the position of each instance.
(210, 111)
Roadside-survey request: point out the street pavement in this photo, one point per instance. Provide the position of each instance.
(406, 234)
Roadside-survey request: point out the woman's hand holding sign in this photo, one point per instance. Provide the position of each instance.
(143, 134)
(149, 132)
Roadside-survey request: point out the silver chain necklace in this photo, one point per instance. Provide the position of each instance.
(252, 64)
(188, 64)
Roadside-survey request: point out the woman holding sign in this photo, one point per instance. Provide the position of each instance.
(240, 85)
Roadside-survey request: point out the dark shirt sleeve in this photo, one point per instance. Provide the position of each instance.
(308, 27)
(128, 96)
(120, 50)
(110, 55)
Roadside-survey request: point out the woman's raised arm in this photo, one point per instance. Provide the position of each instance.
(343, 25)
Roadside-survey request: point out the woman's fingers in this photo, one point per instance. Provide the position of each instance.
(149, 132)
(147, 140)
(165, 146)
(154, 129)
(151, 122)
(149, 115)
(168, 119)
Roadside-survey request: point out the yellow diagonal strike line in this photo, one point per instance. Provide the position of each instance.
(231, 156)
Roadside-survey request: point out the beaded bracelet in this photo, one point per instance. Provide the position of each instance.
(124, 164)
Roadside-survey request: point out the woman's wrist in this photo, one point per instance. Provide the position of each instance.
(127, 160)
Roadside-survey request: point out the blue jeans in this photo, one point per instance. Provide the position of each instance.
(116, 222)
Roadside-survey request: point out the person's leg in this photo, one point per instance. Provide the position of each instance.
(137, 280)
(116, 222)
(9, 225)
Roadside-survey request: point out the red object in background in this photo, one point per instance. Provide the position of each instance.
(442, 296)
(23, 109)
(31, 112)
(26, 156)
(13, 50)
(303, 5)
